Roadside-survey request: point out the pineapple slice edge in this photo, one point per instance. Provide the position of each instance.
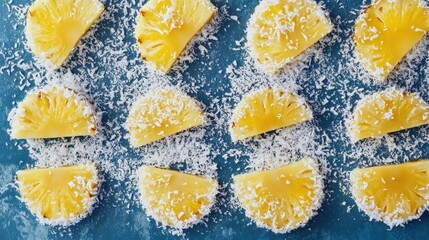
(90, 187)
(258, 215)
(366, 193)
(163, 179)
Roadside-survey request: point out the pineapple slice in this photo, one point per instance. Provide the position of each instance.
(280, 30)
(386, 31)
(54, 27)
(266, 110)
(162, 113)
(281, 199)
(165, 27)
(53, 112)
(59, 196)
(386, 112)
(393, 194)
(176, 199)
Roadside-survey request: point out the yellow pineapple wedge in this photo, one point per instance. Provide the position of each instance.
(176, 199)
(266, 110)
(54, 27)
(162, 113)
(59, 196)
(386, 31)
(394, 194)
(281, 199)
(280, 30)
(53, 112)
(386, 112)
(165, 27)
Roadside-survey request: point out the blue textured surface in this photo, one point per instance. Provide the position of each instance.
(107, 222)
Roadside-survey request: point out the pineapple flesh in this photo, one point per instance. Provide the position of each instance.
(176, 199)
(394, 194)
(54, 27)
(386, 31)
(53, 112)
(281, 199)
(59, 196)
(280, 30)
(165, 27)
(386, 112)
(162, 113)
(266, 110)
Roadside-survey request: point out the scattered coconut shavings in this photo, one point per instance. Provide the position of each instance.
(109, 45)
(107, 69)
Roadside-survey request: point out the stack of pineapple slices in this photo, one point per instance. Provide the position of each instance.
(386, 31)
(165, 27)
(280, 30)
(266, 110)
(394, 194)
(55, 27)
(65, 195)
(176, 199)
(281, 199)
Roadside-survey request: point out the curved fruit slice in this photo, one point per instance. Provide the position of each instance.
(165, 27)
(388, 111)
(266, 110)
(53, 112)
(59, 196)
(386, 31)
(162, 113)
(281, 199)
(280, 30)
(176, 199)
(393, 194)
(54, 27)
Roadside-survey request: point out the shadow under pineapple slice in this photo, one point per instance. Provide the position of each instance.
(280, 30)
(266, 110)
(281, 199)
(176, 199)
(165, 27)
(386, 31)
(386, 112)
(394, 194)
(59, 196)
(162, 113)
(54, 27)
(53, 112)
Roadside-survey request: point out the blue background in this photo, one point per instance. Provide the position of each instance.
(110, 221)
